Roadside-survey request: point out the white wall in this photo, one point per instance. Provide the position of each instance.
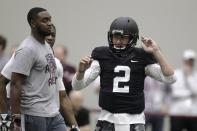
(83, 24)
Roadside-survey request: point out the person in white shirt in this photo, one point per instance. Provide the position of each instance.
(155, 103)
(183, 105)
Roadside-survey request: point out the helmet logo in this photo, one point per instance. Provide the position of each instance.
(121, 32)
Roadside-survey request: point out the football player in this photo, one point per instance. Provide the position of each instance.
(122, 68)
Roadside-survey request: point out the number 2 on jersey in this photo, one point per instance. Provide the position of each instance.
(124, 78)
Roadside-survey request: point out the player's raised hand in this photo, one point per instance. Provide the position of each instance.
(84, 64)
(149, 45)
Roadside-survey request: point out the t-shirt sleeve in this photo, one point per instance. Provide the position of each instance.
(60, 84)
(23, 61)
(7, 71)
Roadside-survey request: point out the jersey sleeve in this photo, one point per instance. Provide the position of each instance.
(23, 61)
(90, 75)
(154, 71)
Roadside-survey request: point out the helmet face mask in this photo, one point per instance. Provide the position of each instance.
(120, 41)
(122, 28)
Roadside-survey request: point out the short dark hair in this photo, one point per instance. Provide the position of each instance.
(32, 14)
(3, 42)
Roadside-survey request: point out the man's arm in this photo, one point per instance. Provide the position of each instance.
(154, 71)
(16, 85)
(84, 64)
(87, 72)
(166, 68)
(3, 104)
(150, 46)
(65, 103)
(67, 109)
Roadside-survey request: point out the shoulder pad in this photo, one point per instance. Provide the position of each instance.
(101, 52)
(146, 57)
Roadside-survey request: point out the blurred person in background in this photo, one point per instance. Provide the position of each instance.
(81, 113)
(61, 53)
(155, 103)
(5, 84)
(3, 61)
(183, 109)
(3, 57)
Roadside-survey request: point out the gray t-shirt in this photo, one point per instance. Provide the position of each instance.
(39, 92)
(7, 72)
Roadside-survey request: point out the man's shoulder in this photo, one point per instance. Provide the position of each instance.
(101, 48)
(101, 52)
(140, 51)
(144, 56)
(29, 42)
(25, 50)
(27, 45)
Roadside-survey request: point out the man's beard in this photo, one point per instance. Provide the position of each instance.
(42, 32)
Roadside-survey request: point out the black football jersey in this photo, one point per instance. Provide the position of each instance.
(122, 79)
